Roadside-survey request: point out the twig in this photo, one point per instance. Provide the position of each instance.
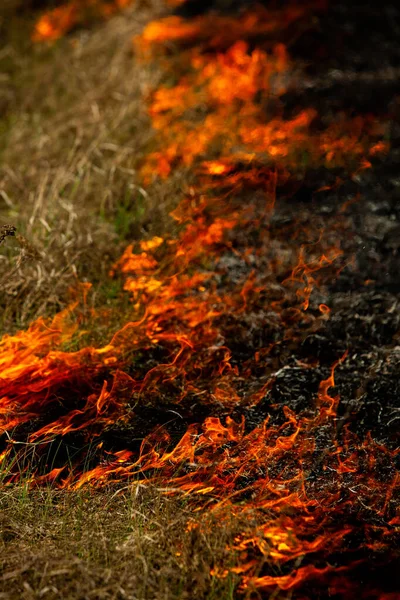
(6, 230)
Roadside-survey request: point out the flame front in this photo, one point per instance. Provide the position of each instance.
(218, 310)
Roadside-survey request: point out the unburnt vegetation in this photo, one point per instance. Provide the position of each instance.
(120, 542)
(73, 126)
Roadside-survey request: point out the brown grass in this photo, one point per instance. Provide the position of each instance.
(72, 132)
(121, 543)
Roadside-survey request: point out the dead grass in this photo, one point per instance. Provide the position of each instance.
(73, 130)
(128, 543)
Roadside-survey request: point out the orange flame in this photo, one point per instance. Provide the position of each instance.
(56, 23)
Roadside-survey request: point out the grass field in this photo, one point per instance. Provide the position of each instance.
(73, 128)
(114, 543)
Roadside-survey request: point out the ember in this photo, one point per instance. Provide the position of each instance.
(259, 369)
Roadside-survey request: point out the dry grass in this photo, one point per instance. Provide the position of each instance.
(72, 132)
(127, 543)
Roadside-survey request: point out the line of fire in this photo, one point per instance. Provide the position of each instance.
(258, 372)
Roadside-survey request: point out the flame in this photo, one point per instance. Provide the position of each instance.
(225, 87)
(57, 22)
(287, 582)
(219, 32)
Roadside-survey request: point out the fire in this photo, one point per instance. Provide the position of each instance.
(219, 32)
(218, 310)
(224, 86)
(57, 22)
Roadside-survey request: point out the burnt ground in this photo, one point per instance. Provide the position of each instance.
(355, 68)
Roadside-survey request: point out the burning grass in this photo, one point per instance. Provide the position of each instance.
(234, 381)
(54, 24)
